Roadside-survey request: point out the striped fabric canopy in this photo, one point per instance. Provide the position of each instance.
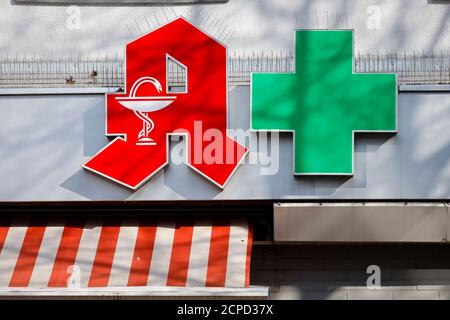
(80, 253)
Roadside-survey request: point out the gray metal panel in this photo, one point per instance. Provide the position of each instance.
(357, 222)
(44, 139)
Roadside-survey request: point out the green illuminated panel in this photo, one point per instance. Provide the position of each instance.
(324, 102)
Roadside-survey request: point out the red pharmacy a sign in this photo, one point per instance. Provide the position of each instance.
(143, 118)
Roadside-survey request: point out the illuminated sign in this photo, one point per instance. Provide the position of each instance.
(323, 103)
(150, 111)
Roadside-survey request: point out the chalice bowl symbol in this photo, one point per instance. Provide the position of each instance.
(142, 106)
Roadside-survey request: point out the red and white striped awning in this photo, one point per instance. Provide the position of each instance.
(92, 253)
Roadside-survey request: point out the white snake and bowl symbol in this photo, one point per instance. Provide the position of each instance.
(141, 106)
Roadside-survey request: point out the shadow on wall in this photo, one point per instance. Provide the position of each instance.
(94, 187)
(94, 137)
(87, 184)
(256, 25)
(427, 150)
(182, 179)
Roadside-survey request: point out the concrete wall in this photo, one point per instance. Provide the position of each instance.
(339, 271)
(244, 25)
(44, 139)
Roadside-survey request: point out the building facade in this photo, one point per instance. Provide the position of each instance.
(252, 149)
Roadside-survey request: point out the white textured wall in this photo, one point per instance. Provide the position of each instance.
(245, 25)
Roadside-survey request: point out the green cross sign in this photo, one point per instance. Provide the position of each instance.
(323, 102)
